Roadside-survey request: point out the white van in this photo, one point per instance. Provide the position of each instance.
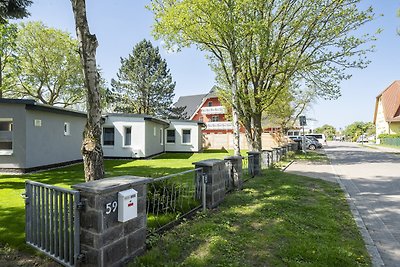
(321, 137)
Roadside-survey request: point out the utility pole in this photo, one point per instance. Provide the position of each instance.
(303, 122)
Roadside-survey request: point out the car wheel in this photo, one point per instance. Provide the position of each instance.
(312, 147)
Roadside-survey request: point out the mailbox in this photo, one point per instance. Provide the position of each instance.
(127, 205)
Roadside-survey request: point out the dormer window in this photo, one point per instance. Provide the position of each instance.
(210, 103)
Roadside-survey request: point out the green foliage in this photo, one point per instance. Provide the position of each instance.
(382, 136)
(328, 130)
(13, 9)
(8, 36)
(260, 48)
(48, 67)
(144, 84)
(356, 129)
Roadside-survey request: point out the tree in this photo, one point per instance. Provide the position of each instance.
(328, 130)
(212, 27)
(144, 84)
(13, 9)
(8, 36)
(356, 129)
(48, 66)
(262, 46)
(92, 151)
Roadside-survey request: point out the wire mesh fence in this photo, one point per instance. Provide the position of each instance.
(391, 141)
(170, 197)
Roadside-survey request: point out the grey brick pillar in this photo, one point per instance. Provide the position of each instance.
(235, 165)
(267, 158)
(276, 154)
(256, 161)
(104, 240)
(215, 170)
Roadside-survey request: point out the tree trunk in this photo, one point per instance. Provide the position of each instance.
(91, 146)
(1, 79)
(235, 116)
(257, 131)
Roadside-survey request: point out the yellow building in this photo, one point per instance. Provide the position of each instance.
(387, 110)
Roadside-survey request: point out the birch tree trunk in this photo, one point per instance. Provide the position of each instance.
(91, 146)
(235, 115)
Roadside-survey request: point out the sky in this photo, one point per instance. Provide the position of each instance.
(120, 24)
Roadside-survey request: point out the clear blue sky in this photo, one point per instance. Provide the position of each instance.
(120, 24)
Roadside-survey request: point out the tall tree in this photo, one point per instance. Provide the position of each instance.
(328, 130)
(213, 27)
(48, 67)
(13, 9)
(91, 146)
(8, 36)
(356, 129)
(144, 83)
(261, 46)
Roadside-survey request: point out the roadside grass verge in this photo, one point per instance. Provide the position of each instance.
(317, 156)
(12, 207)
(278, 219)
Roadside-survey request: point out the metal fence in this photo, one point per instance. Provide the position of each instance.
(391, 141)
(52, 221)
(172, 196)
(248, 167)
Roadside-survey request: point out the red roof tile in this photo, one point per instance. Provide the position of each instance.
(390, 98)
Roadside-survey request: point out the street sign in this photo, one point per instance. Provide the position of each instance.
(303, 120)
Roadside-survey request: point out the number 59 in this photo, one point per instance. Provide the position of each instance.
(111, 207)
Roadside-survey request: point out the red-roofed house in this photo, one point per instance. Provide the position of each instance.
(387, 110)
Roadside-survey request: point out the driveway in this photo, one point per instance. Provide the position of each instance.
(372, 180)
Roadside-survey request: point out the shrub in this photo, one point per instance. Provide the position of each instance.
(382, 136)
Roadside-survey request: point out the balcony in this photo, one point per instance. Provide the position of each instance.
(219, 125)
(213, 110)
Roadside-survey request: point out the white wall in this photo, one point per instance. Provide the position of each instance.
(178, 146)
(137, 137)
(154, 142)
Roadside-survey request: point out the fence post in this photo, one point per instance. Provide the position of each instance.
(104, 240)
(256, 161)
(214, 169)
(236, 170)
(267, 157)
(276, 152)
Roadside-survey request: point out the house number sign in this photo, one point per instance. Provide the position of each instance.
(111, 207)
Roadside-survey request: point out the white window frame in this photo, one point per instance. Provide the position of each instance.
(210, 104)
(102, 141)
(215, 118)
(67, 128)
(190, 142)
(154, 130)
(124, 136)
(8, 152)
(161, 136)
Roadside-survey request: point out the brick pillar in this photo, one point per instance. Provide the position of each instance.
(104, 240)
(268, 153)
(256, 161)
(215, 170)
(276, 152)
(235, 163)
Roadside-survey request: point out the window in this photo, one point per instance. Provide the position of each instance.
(67, 128)
(210, 103)
(161, 137)
(37, 123)
(6, 136)
(201, 119)
(127, 136)
(108, 136)
(154, 130)
(186, 137)
(214, 118)
(170, 136)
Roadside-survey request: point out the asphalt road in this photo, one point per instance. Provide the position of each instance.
(372, 179)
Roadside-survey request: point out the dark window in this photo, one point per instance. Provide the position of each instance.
(210, 104)
(214, 118)
(170, 136)
(108, 136)
(186, 137)
(128, 136)
(6, 135)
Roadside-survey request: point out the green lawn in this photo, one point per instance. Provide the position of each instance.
(12, 210)
(278, 219)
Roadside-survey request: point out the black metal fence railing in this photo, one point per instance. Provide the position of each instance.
(248, 167)
(170, 197)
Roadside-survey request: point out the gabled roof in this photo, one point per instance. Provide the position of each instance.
(390, 99)
(142, 116)
(191, 102)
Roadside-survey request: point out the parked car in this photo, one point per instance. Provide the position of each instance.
(362, 139)
(310, 143)
(321, 137)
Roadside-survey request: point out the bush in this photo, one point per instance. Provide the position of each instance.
(382, 136)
